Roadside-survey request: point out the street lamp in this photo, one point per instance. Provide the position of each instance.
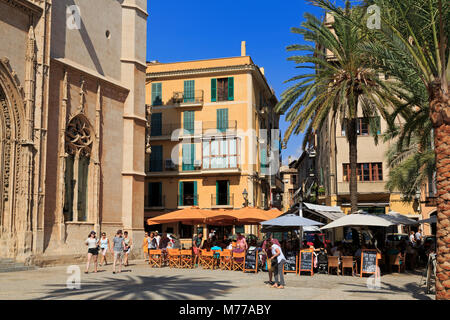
(245, 195)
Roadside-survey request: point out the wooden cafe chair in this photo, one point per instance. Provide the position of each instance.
(201, 261)
(333, 262)
(155, 258)
(348, 263)
(174, 258)
(187, 259)
(238, 261)
(226, 262)
(208, 259)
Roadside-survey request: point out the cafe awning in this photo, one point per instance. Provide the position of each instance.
(190, 216)
(360, 219)
(246, 215)
(328, 212)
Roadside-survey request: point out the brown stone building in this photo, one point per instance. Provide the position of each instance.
(72, 123)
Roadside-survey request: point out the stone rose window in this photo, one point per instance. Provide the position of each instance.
(79, 140)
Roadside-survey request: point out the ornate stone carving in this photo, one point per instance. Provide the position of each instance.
(148, 115)
(79, 136)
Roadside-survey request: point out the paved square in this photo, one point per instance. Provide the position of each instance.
(139, 281)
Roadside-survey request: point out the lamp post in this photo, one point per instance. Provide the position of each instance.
(245, 195)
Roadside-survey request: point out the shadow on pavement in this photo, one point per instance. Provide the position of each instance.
(140, 287)
(415, 290)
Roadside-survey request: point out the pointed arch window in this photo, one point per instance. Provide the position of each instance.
(79, 141)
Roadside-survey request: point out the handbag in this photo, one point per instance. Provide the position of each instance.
(274, 263)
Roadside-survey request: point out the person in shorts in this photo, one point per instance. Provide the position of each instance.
(104, 245)
(92, 243)
(118, 247)
(269, 255)
(127, 249)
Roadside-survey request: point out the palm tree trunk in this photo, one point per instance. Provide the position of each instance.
(353, 157)
(440, 117)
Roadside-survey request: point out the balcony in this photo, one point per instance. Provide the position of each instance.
(188, 99)
(155, 203)
(222, 200)
(212, 128)
(165, 131)
(187, 200)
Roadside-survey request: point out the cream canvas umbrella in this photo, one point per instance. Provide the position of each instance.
(360, 220)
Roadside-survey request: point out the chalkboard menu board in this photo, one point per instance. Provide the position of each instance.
(306, 261)
(369, 262)
(291, 261)
(251, 261)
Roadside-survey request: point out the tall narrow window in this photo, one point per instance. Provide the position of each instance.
(78, 147)
(154, 194)
(189, 91)
(188, 121)
(156, 125)
(156, 94)
(188, 156)
(222, 89)
(156, 159)
(222, 120)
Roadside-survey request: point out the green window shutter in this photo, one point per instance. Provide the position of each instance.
(156, 158)
(213, 90)
(189, 90)
(180, 195)
(228, 192)
(222, 119)
(195, 194)
(231, 88)
(156, 94)
(188, 121)
(160, 194)
(217, 192)
(188, 156)
(156, 124)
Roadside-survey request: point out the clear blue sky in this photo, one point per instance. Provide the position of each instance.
(200, 29)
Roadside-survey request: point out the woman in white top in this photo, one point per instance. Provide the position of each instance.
(104, 245)
(92, 243)
(279, 268)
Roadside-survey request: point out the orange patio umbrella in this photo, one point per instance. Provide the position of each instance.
(191, 216)
(247, 215)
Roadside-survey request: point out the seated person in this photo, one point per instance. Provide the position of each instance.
(207, 244)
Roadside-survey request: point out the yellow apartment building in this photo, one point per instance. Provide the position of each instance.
(214, 139)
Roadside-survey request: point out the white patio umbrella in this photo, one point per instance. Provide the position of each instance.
(432, 219)
(399, 218)
(360, 220)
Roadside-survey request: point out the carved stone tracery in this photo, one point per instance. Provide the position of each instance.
(79, 137)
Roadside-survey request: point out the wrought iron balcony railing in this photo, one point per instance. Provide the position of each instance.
(188, 98)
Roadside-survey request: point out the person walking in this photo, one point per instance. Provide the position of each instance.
(268, 255)
(145, 246)
(126, 251)
(118, 247)
(104, 245)
(92, 243)
(196, 245)
(279, 263)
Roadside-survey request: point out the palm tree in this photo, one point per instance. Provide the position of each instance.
(419, 29)
(337, 86)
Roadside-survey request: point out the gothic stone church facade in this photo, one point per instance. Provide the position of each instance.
(72, 124)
